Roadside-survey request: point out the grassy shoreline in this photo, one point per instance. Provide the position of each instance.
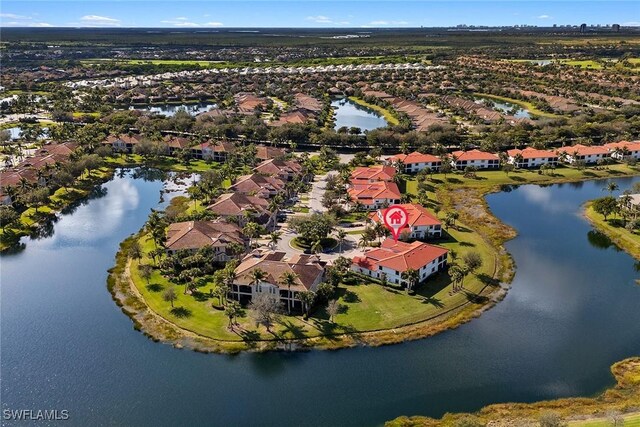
(623, 397)
(524, 104)
(626, 240)
(465, 195)
(386, 114)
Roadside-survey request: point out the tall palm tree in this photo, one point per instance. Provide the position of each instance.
(251, 231)
(257, 275)
(611, 187)
(411, 276)
(288, 279)
(274, 238)
(316, 247)
(341, 235)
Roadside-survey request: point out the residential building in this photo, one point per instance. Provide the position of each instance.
(364, 174)
(194, 235)
(307, 269)
(176, 144)
(624, 150)
(264, 152)
(475, 158)
(393, 258)
(531, 157)
(415, 162)
(239, 208)
(374, 195)
(259, 185)
(286, 170)
(122, 143)
(421, 224)
(216, 151)
(588, 154)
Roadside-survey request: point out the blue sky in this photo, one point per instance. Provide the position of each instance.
(309, 13)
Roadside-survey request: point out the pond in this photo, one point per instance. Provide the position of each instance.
(348, 113)
(171, 109)
(16, 130)
(504, 107)
(571, 313)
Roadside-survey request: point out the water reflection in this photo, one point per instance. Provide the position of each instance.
(348, 113)
(600, 240)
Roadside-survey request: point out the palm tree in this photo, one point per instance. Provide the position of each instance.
(288, 279)
(411, 276)
(316, 247)
(611, 187)
(341, 235)
(364, 241)
(456, 275)
(257, 275)
(232, 311)
(251, 231)
(274, 238)
(307, 298)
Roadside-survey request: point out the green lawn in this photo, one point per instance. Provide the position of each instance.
(489, 179)
(627, 240)
(365, 306)
(632, 420)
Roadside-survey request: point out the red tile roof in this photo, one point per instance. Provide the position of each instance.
(584, 150)
(400, 256)
(623, 145)
(532, 153)
(474, 155)
(307, 269)
(199, 234)
(374, 173)
(418, 215)
(366, 192)
(414, 157)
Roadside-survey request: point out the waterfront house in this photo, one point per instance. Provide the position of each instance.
(393, 258)
(176, 144)
(122, 143)
(415, 162)
(586, 153)
(421, 224)
(307, 269)
(624, 150)
(531, 157)
(475, 158)
(194, 235)
(216, 151)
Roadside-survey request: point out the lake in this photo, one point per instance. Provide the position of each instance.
(571, 313)
(348, 113)
(504, 107)
(171, 109)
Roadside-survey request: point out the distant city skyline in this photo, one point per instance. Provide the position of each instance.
(315, 14)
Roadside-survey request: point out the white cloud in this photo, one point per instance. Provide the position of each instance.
(13, 16)
(320, 19)
(544, 17)
(97, 20)
(183, 22)
(382, 23)
(21, 21)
